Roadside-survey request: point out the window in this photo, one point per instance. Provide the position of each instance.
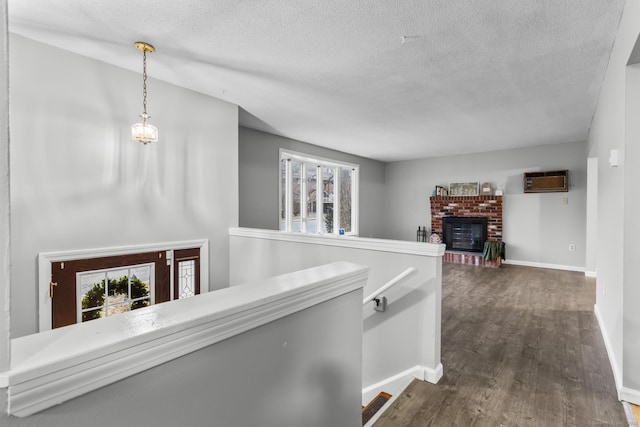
(317, 195)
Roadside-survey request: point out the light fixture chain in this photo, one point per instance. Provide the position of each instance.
(144, 82)
(144, 132)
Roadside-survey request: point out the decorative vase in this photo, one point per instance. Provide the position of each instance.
(435, 238)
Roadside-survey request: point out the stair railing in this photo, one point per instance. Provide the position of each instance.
(380, 301)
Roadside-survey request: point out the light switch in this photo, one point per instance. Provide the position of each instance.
(613, 158)
(565, 200)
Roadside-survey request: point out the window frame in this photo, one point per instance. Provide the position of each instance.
(321, 162)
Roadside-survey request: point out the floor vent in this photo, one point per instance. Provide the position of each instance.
(374, 406)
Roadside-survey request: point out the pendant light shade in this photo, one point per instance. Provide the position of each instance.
(144, 132)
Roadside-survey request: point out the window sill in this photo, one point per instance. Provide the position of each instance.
(57, 365)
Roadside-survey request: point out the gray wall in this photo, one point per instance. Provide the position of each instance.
(631, 327)
(617, 264)
(538, 228)
(259, 181)
(394, 197)
(5, 223)
(78, 181)
(301, 370)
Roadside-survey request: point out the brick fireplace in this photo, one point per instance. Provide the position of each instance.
(489, 207)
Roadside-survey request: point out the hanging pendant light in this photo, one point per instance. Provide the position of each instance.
(144, 132)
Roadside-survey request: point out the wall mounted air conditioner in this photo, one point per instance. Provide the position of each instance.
(546, 182)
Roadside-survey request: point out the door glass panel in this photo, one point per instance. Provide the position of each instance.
(92, 295)
(91, 315)
(186, 278)
(140, 285)
(113, 291)
(117, 298)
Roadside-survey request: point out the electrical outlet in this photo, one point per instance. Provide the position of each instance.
(572, 247)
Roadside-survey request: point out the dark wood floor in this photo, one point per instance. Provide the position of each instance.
(520, 347)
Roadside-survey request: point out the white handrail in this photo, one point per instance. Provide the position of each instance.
(408, 272)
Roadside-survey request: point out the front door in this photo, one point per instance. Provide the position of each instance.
(88, 289)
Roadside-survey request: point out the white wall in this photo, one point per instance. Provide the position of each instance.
(537, 228)
(591, 261)
(631, 292)
(5, 223)
(259, 180)
(78, 181)
(617, 261)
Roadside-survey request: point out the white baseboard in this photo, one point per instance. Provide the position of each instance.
(423, 373)
(544, 265)
(380, 385)
(624, 393)
(607, 343)
(591, 274)
(433, 375)
(629, 395)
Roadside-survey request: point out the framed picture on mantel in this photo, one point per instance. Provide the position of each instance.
(463, 189)
(486, 189)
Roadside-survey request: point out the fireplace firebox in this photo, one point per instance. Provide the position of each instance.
(464, 233)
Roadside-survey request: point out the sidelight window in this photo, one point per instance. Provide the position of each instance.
(187, 279)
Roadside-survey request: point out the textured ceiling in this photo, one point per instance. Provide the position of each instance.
(389, 80)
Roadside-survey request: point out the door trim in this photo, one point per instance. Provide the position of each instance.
(46, 258)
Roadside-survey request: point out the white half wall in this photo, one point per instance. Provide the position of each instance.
(537, 229)
(405, 337)
(282, 352)
(78, 181)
